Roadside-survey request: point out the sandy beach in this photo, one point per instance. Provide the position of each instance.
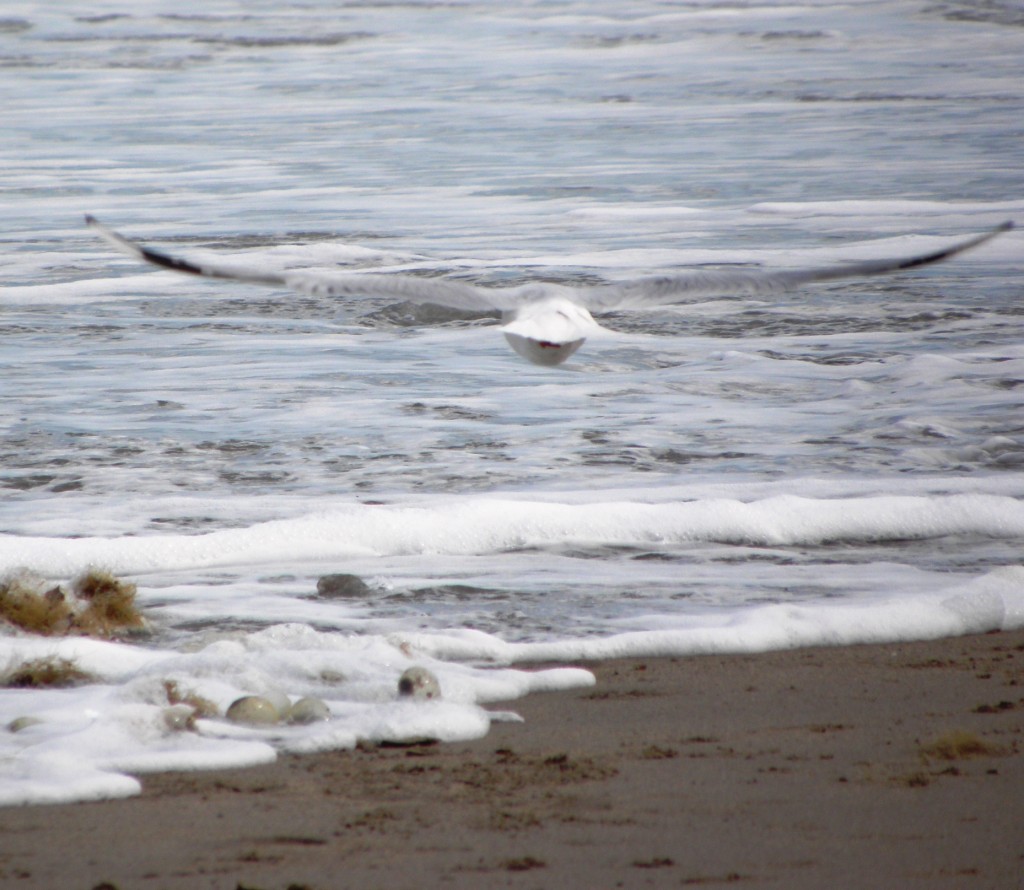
(874, 766)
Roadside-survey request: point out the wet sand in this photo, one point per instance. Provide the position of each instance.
(873, 766)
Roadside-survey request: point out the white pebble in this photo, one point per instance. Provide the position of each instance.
(308, 710)
(418, 682)
(278, 699)
(253, 710)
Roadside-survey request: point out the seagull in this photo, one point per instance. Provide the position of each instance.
(544, 322)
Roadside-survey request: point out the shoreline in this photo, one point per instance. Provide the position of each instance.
(863, 766)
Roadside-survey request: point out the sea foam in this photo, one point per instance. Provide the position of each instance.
(483, 525)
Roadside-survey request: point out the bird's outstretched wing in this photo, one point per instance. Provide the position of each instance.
(655, 290)
(417, 289)
(660, 290)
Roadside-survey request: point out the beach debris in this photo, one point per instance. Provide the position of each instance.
(179, 718)
(25, 604)
(655, 862)
(658, 752)
(42, 673)
(419, 683)
(110, 604)
(20, 723)
(959, 745)
(253, 710)
(997, 708)
(307, 710)
(97, 605)
(200, 707)
(408, 742)
(342, 586)
(523, 863)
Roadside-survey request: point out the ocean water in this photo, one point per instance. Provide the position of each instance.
(836, 465)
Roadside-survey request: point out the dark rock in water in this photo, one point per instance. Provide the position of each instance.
(342, 586)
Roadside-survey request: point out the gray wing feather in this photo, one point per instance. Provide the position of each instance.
(416, 289)
(700, 284)
(454, 294)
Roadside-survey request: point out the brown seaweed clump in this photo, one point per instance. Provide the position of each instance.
(97, 605)
(110, 605)
(201, 707)
(42, 673)
(24, 605)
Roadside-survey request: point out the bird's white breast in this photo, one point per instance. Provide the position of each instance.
(547, 332)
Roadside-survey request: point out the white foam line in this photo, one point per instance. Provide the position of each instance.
(487, 525)
(994, 601)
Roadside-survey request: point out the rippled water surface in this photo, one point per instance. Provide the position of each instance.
(709, 465)
(573, 142)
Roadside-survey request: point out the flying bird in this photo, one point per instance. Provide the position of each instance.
(544, 322)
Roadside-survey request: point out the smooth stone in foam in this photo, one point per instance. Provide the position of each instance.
(253, 710)
(418, 682)
(308, 710)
